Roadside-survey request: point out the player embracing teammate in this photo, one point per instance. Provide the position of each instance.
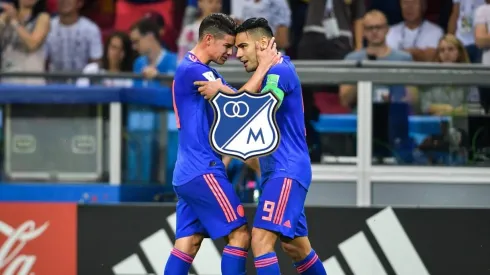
(208, 205)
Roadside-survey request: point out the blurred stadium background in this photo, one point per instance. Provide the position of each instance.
(396, 107)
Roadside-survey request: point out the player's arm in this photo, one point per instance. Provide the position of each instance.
(277, 82)
(252, 85)
(209, 88)
(267, 57)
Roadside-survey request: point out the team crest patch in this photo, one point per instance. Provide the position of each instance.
(244, 124)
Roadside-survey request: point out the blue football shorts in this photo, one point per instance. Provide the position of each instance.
(208, 205)
(281, 208)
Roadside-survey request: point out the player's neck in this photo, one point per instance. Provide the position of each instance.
(201, 54)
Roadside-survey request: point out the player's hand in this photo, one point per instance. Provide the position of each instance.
(150, 72)
(209, 88)
(268, 56)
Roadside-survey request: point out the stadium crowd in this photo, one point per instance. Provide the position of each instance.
(151, 37)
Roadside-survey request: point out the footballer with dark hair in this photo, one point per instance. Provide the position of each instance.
(207, 203)
(286, 173)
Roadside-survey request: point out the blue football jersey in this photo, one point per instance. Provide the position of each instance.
(195, 116)
(291, 159)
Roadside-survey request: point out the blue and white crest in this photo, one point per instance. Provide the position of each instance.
(244, 124)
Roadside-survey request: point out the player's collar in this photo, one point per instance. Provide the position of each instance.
(193, 57)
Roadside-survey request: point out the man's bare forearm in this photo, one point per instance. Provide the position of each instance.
(254, 83)
(227, 90)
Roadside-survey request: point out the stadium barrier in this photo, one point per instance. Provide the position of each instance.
(70, 239)
(364, 173)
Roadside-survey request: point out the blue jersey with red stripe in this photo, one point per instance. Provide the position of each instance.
(194, 115)
(291, 159)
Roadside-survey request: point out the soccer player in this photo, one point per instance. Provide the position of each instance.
(207, 204)
(286, 173)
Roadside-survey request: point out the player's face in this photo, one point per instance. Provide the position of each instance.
(221, 48)
(246, 51)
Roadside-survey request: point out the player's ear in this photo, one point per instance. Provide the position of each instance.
(263, 42)
(208, 38)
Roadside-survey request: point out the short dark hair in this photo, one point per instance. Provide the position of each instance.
(147, 26)
(254, 24)
(217, 24)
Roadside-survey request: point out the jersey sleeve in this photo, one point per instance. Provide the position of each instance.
(199, 72)
(229, 86)
(277, 81)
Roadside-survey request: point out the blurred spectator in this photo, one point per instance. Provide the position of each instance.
(74, 40)
(157, 18)
(191, 12)
(190, 33)
(440, 12)
(482, 39)
(24, 26)
(375, 29)
(299, 9)
(118, 57)
(447, 100)
(333, 28)
(415, 35)
(154, 59)
(277, 12)
(461, 24)
(450, 145)
(128, 12)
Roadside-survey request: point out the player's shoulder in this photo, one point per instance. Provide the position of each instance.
(284, 68)
(191, 69)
